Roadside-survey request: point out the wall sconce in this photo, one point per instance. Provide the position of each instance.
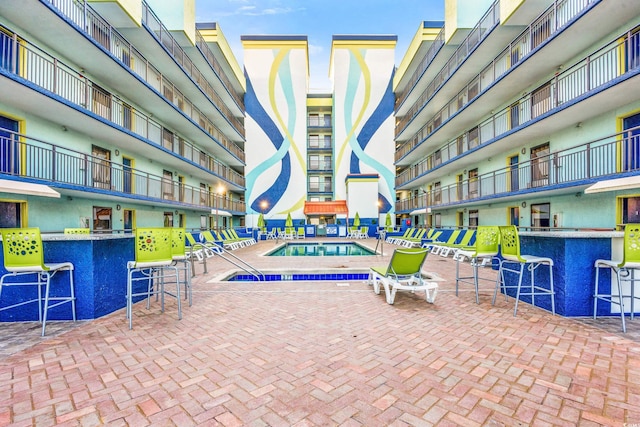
(176, 212)
(579, 125)
(118, 207)
(117, 152)
(464, 172)
(64, 129)
(523, 151)
(524, 204)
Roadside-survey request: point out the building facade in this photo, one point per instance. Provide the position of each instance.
(512, 119)
(128, 111)
(303, 149)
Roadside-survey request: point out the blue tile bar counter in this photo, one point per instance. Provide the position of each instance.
(573, 254)
(100, 276)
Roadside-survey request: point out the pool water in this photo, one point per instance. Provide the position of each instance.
(322, 249)
(297, 277)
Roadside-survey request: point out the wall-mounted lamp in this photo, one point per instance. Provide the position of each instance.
(117, 152)
(524, 204)
(118, 207)
(523, 151)
(176, 212)
(579, 125)
(64, 128)
(464, 172)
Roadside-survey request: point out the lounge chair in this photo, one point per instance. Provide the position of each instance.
(352, 233)
(414, 241)
(436, 246)
(463, 241)
(363, 233)
(248, 240)
(395, 239)
(300, 233)
(199, 250)
(403, 273)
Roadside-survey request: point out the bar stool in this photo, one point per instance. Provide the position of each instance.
(180, 256)
(480, 255)
(625, 272)
(24, 256)
(510, 253)
(153, 260)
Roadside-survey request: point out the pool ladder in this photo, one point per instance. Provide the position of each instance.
(239, 262)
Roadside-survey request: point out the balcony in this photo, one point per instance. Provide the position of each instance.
(320, 188)
(164, 37)
(28, 62)
(61, 167)
(91, 23)
(615, 155)
(320, 167)
(319, 122)
(545, 27)
(595, 72)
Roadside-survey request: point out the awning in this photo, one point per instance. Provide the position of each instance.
(220, 213)
(626, 183)
(420, 211)
(336, 207)
(27, 188)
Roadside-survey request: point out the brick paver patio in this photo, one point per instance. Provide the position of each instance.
(325, 354)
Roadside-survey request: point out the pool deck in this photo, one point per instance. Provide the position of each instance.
(325, 354)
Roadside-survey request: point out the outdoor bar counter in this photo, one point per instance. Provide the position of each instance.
(574, 254)
(100, 276)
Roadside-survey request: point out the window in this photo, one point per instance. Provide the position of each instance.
(541, 100)
(437, 158)
(203, 194)
(473, 137)
(630, 210)
(540, 31)
(314, 162)
(314, 141)
(540, 215)
(437, 220)
(473, 218)
(473, 183)
(11, 214)
(101, 101)
(314, 120)
(101, 167)
(181, 188)
(101, 219)
(437, 193)
(9, 147)
(167, 185)
(168, 219)
(540, 165)
(167, 139)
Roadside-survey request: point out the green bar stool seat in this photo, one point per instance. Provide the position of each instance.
(480, 255)
(510, 253)
(625, 272)
(154, 259)
(24, 256)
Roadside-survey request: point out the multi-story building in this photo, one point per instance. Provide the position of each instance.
(128, 110)
(509, 110)
(306, 151)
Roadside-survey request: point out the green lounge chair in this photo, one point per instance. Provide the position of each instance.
(404, 272)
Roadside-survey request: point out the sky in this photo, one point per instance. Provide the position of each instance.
(319, 20)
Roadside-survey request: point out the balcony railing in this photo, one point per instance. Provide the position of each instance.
(218, 70)
(490, 20)
(319, 121)
(90, 22)
(165, 38)
(36, 159)
(315, 166)
(36, 66)
(598, 159)
(320, 188)
(437, 43)
(595, 71)
(543, 28)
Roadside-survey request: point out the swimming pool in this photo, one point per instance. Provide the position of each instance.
(322, 249)
(297, 277)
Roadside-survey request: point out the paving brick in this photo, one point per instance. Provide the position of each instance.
(312, 353)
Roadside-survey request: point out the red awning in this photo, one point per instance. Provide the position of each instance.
(336, 207)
